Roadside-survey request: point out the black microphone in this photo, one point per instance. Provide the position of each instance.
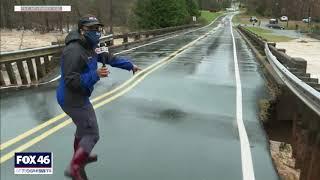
(103, 54)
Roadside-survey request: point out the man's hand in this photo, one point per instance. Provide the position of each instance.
(103, 72)
(135, 69)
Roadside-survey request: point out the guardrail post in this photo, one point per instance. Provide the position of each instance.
(314, 172)
(46, 63)
(11, 74)
(55, 60)
(301, 136)
(2, 82)
(295, 122)
(282, 50)
(300, 64)
(108, 43)
(307, 155)
(125, 39)
(137, 37)
(22, 72)
(40, 70)
(272, 44)
(31, 70)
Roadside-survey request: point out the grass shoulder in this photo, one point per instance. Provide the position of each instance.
(243, 19)
(207, 16)
(267, 34)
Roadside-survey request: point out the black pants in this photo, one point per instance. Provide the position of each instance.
(87, 126)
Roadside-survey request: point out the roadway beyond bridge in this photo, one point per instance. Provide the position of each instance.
(183, 118)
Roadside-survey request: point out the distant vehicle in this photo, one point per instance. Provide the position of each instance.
(306, 20)
(273, 21)
(230, 9)
(284, 18)
(275, 26)
(253, 19)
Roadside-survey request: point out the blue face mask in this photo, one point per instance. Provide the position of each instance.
(92, 37)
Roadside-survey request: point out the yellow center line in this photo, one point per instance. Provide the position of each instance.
(61, 116)
(31, 131)
(37, 139)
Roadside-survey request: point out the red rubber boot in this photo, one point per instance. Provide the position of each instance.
(92, 157)
(78, 162)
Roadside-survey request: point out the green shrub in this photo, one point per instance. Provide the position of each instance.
(152, 14)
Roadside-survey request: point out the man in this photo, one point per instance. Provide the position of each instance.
(79, 73)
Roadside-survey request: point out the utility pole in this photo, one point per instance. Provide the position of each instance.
(60, 19)
(46, 20)
(309, 15)
(110, 17)
(23, 17)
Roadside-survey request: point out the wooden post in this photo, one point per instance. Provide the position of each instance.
(40, 70)
(54, 60)
(125, 39)
(137, 37)
(314, 172)
(307, 158)
(11, 74)
(109, 42)
(300, 147)
(110, 16)
(46, 63)
(22, 72)
(294, 133)
(31, 70)
(2, 82)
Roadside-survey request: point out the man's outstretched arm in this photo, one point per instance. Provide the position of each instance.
(120, 62)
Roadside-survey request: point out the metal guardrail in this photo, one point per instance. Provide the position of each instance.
(298, 66)
(301, 105)
(302, 90)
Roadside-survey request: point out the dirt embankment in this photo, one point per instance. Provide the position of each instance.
(12, 40)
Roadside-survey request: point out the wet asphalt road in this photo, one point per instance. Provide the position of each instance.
(178, 123)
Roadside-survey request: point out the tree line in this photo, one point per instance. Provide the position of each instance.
(142, 14)
(150, 14)
(47, 21)
(214, 5)
(294, 9)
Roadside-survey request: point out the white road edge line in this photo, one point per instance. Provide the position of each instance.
(124, 51)
(246, 157)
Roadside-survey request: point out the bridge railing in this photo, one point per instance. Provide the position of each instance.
(298, 102)
(302, 90)
(29, 66)
(297, 66)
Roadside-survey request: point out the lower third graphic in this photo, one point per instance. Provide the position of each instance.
(33, 163)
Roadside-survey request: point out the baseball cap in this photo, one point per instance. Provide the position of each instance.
(88, 20)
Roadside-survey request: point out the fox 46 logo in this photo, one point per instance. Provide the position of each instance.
(33, 163)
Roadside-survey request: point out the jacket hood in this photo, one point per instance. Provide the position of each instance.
(72, 36)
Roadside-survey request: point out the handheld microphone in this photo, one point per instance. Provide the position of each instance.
(103, 51)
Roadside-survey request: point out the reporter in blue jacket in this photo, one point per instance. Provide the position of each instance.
(79, 74)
